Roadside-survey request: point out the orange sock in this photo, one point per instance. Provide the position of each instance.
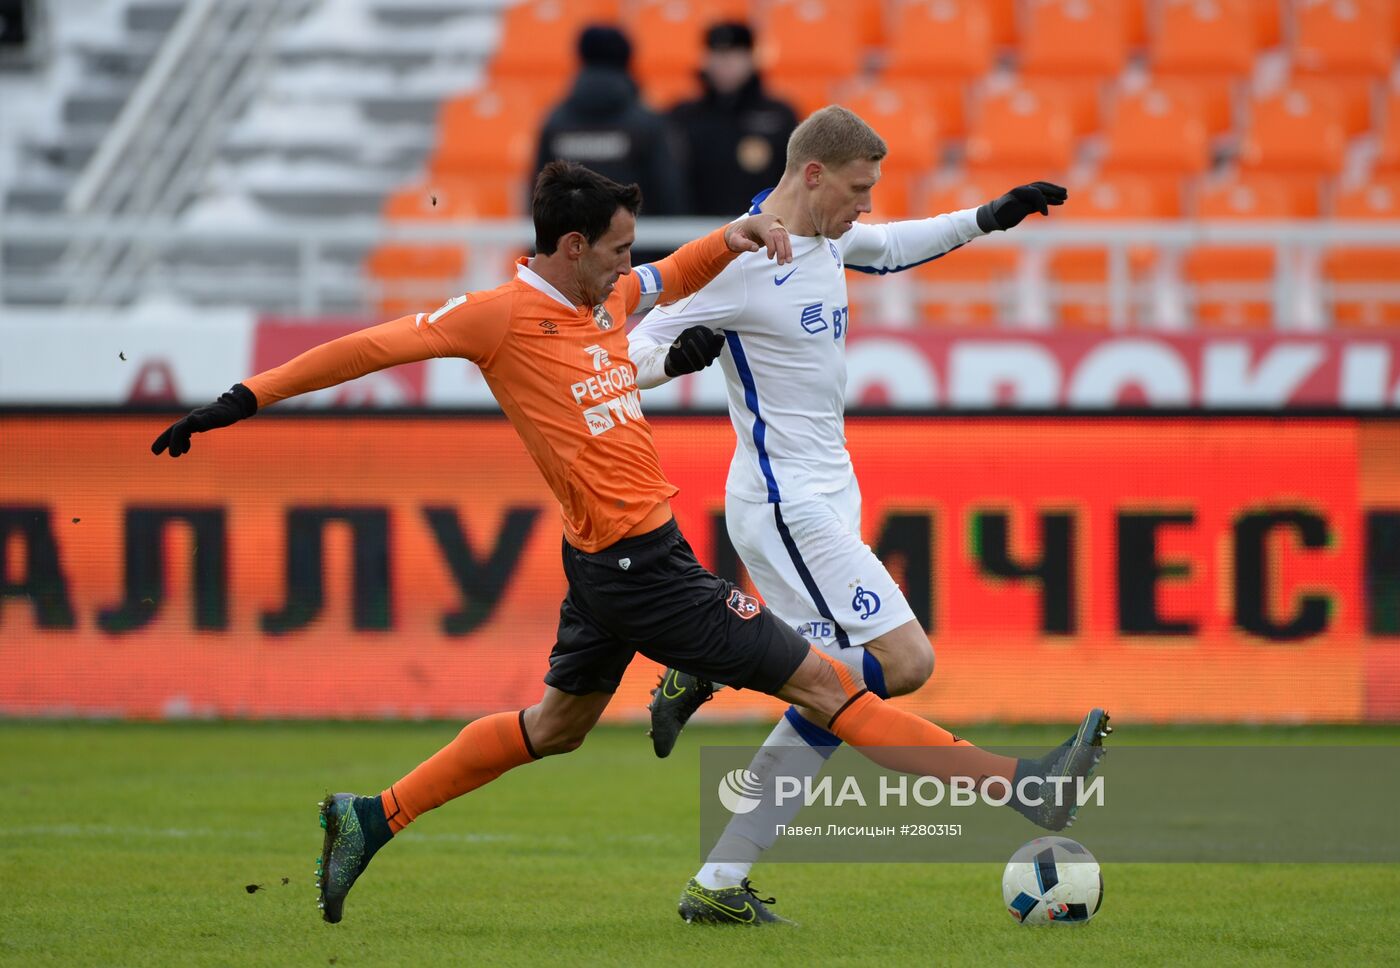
(867, 721)
(485, 749)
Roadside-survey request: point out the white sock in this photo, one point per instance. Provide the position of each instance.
(786, 752)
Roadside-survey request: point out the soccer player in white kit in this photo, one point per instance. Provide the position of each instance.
(792, 503)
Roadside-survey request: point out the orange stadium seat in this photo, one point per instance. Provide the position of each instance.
(1366, 264)
(1069, 49)
(1006, 26)
(1158, 129)
(944, 40)
(1294, 131)
(490, 132)
(1075, 38)
(1268, 26)
(1021, 130)
(1212, 44)
(963, 288)
(1353, 97)
(1246, 197)
(799, 41)
(410, 276)
(946, 100)
(1122, 197)
(541, 36)
(1388, 157)
(1345, 36)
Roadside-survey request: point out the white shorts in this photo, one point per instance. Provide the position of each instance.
(807, 560)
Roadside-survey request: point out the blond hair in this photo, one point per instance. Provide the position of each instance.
(834, 136)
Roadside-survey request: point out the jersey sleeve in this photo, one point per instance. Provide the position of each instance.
(681, 273)
(896, 246)
(718, 306)
(458, 328)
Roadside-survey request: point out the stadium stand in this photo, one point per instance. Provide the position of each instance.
(1183, 110)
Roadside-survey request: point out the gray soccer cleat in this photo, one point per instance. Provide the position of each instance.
(726, 905)
(1077, 757)
(674, 700)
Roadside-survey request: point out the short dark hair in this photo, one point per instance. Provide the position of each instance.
(572, 198)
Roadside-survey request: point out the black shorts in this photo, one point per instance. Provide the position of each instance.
(648, 594)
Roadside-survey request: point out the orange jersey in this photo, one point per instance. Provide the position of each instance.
(560, 372)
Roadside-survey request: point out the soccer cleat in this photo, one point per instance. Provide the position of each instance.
(355, 829)
(674, 700)
(1077, 757)
(726, 905)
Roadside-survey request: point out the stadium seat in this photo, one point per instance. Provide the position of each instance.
(1344, 36)
(1158, 129)
(944, 40)
(491, 132)
(796, 41)
(965, 287)
(1249, 196)
(1074, 38)
(1211, 44)
(1268, 23)
(1388, 156)
(1294, 131)
(1022, 130)
(1363, 265)
(1081, 98)
(541, 36)
(1353, 97)
(1069, 50)
(1123, 197)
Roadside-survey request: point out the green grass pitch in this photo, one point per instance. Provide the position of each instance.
(135, 844)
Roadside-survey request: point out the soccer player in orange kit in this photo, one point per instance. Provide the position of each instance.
(634, 584)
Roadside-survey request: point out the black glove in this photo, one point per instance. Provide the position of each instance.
(693, 350)
(1008, 211)
(238, 404)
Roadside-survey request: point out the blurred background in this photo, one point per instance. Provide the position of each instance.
(1204, 339)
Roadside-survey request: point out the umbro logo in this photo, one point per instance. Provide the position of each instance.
(550, 328)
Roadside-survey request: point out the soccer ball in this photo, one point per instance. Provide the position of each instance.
(1052, 880)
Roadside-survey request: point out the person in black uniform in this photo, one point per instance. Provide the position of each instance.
(734, 137)
(603, 124)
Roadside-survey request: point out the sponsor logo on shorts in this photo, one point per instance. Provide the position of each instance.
(865, 602)
(815, 630)
(744, 606)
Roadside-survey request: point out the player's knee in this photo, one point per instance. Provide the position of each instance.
(910, 670)
(550, 737)
(815, 686)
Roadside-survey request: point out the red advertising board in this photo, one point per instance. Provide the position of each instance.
(1172, 569)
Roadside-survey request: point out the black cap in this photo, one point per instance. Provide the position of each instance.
(604, 47)
(729, 35)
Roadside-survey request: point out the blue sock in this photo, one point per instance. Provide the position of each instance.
(874, 675)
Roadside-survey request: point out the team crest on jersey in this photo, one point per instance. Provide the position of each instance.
(602, 317)
(744, 606)
(865, 602)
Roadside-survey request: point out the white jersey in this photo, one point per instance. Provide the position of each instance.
(784, 358)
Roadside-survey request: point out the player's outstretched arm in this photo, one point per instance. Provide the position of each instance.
(404, 340)
(895, 246)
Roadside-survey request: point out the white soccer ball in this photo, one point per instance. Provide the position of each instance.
(1052, 880)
